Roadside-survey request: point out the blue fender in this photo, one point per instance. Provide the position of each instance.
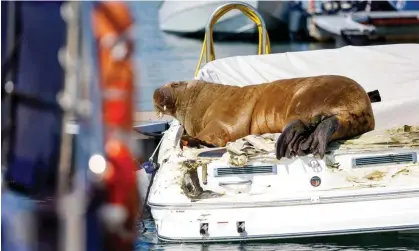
(32, 163)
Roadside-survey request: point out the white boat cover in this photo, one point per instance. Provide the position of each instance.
(391, 69)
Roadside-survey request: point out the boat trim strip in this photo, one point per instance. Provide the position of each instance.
(294, 235)
(292, 202)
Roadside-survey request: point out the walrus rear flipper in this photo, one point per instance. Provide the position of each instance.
(297, 139)
(374, 96)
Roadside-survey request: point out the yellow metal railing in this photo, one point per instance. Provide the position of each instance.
(208, 45)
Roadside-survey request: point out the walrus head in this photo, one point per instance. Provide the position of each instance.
(166, 97)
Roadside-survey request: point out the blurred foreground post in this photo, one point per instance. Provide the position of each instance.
(97, 198)
(111, 26)
(32, 35)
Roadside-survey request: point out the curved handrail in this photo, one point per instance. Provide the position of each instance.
(208, 44)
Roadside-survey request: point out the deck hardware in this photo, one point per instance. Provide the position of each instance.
(204, 174)
(246, 170)
(203, 229)
(315, 181)
(399, 158)
(315, 199)
(241, 227)
(315, 165)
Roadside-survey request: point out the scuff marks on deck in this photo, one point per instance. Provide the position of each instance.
(190, 183)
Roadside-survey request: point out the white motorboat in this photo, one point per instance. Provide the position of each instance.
(242, 192)
(190, 17)
(369, 184)
(362, 22)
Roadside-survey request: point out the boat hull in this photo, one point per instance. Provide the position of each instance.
(283, 222)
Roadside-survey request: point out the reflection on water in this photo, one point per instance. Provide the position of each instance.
(163, 58)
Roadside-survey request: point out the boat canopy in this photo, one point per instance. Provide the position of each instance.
(390, 69)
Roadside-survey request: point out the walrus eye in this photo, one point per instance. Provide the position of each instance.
(174, 84)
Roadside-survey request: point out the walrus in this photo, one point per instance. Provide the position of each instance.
(309, 112)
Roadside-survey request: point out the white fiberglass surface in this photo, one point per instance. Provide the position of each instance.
(290, 178)
(390, 69)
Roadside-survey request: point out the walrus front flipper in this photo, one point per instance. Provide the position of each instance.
(214, 134)
(374, 96)
(189, 141)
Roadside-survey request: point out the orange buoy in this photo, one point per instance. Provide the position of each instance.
(111, 23)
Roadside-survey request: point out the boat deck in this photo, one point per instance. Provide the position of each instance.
(385, 160)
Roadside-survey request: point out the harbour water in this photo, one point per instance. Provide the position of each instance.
(161, 58)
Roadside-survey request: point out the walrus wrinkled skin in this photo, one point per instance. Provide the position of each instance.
(308, 112)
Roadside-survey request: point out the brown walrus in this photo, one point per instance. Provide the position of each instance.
(310, 112)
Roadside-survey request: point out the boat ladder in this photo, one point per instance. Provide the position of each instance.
(208, 44)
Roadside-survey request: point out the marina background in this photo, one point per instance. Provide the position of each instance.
(163, 57)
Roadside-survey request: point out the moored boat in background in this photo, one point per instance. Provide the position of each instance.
(363, 23)
(188, 18)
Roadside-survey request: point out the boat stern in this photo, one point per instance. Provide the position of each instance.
(243, 192)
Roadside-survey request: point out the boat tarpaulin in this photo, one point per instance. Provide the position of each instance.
(391, 69)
